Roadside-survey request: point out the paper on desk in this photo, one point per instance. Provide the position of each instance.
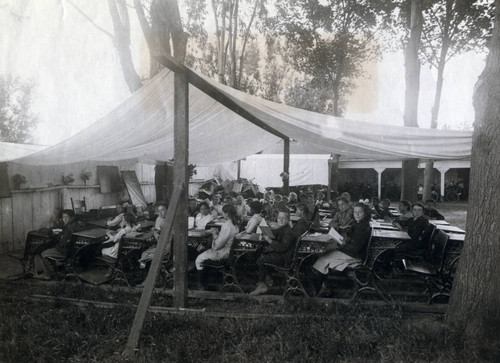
(336, 236)
(315, 234)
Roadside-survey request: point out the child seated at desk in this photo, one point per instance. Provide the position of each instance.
(203, 217)
(430, 210)
(344, 217)
(351, 251)
(402, 221)
(118, 221)
(256, 219)
(383, 211)
(60, 252)
(147, 255)
(417, 228)
(116, 238)
(221, 244)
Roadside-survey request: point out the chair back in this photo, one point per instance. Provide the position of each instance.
(426, 236)
(437, 248)
(298, 243)
(367, 251)
(78, 205)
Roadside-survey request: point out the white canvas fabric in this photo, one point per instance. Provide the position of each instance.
(141, 128)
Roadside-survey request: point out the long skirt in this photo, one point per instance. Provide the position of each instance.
(214, 255)
(335, 260)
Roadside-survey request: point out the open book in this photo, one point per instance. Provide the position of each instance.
(267, 231)
(336, 236)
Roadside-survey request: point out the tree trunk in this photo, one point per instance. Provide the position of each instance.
(409, 175)
(475, 298)
(121, 26)
(429, 166)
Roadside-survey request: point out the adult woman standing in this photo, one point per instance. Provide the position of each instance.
(221, 244)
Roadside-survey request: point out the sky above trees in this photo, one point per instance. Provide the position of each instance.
(78, 79)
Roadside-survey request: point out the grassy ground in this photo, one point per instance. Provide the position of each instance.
(47, 332)
(454, 212)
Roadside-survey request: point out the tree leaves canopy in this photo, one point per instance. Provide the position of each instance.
(17, 121)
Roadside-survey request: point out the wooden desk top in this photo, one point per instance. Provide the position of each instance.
(382, 225)
(438, 222)
(446, 228)
(250, 237)
(384, 233)
(198, 233)
(318, 237)
(456, 236)
(91, 233)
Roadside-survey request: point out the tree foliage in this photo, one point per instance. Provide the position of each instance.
(330, 42)
(17, 121)
(231, 54)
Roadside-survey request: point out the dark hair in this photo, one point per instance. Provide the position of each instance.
(375, 199)
(303, 207)
(204, 204)
(69, 212)
(366, 210)
(284, 210)
(129, 218)
(386, 201)
(418, 204)
(160, 204)
(256, 206)
(231, 212)
(430, 201)
(405, 203)
(342, 199)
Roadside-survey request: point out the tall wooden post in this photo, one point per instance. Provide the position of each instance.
(181, 177)
(286, 166)
(333, 180)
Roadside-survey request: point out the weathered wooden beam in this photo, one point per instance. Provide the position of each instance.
(142, 309)
(181, 177)
(213, 92)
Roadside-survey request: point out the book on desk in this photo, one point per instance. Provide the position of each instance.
(337, 237)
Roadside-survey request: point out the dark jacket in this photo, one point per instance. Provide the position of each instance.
(284, 243)
(433, 214)
(356, 239)
(416, 230)
(64, 239)
(300, 227)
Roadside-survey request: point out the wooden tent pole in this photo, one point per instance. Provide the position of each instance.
(181, 177)
(165, 235)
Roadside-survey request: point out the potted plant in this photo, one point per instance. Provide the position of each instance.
(18, 180)
(85, 175)
(67, 179)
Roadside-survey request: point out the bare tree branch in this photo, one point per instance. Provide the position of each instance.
(90, 20)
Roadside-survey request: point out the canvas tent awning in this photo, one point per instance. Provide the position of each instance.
(142, 128)
(10, 151)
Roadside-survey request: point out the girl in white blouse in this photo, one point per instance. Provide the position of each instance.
(129, 227)
(221, 244)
